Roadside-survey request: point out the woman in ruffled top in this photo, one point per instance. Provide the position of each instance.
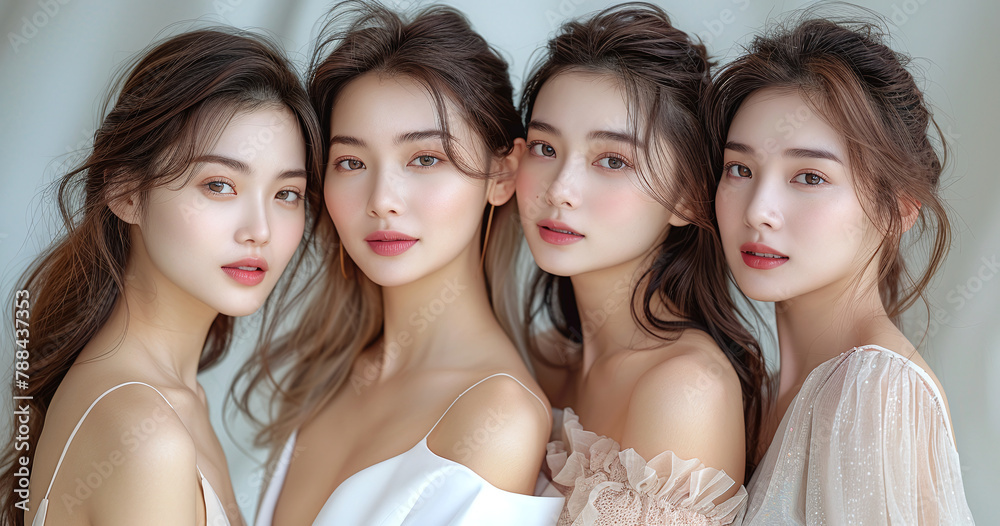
(827, 169)
(629, 321)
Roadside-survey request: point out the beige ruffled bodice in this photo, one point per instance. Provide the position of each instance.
(605, 485)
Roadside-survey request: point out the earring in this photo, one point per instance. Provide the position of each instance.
(486, 239)
(343, 271)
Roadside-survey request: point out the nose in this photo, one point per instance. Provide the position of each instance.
(763, 211)
(385, 199)
(255, 228)
(564, 192)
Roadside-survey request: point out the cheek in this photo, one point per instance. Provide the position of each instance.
(289, 225)
(530, 184)
(343, 201)
(184, 219)
(450, 199)
(621, 205)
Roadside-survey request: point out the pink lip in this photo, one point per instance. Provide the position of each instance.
(750, 251)
(390, 243)
(244, 276)
(547, 230)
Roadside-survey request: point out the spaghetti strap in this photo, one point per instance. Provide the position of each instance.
(546, 408)
(80, 422)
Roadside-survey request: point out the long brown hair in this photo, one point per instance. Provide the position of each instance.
(665, 75)
(338, 316)
(171, 108)
(848, 74)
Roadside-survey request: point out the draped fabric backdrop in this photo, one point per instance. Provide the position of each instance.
(57, 58)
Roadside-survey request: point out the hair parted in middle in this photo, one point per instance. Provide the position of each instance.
(340, 311)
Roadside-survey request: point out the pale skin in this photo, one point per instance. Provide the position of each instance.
(794, 192)
(385, 174)
(646, 394)
(139, 458)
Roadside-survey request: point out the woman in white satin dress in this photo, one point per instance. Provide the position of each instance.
(404, 400)
(826, 164)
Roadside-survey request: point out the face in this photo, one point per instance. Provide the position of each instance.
(577, 189)
(401, 206)
(790, 219)
(225, 236)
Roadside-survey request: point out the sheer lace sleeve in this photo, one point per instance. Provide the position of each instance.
(868, 442)
(604, 485)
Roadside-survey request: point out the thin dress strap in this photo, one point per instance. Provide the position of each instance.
(473, 386)
(80, 422)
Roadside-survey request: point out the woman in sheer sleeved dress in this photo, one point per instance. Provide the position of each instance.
(661, 401)
(827, 170)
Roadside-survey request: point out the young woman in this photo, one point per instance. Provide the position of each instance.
(663, 400)
(404, 399)
(193, 202)
(826, 165)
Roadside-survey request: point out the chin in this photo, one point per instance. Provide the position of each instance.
(237, 306)
(391, 274)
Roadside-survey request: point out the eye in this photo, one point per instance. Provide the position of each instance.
(739, 171)
(613, 162)
(220, 187)
(542, 150)
(288, 196)
(351, 164)
(809, 179)
(425, 160)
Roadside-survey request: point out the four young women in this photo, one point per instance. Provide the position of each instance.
(397, 393)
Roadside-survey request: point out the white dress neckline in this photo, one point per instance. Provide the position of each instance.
(525, 507)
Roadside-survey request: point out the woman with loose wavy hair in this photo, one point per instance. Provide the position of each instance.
(397, 371)
(828, 173)
(629, 317)
(188, 207)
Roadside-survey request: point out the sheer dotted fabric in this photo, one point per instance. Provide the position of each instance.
(866, 441)
(604, 485)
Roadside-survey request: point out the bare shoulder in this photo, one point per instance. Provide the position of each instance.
(498, 429)
(690, 403)
(137, 458)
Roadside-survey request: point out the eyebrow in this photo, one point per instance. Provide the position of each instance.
(605, 135)
(544, 127)
(242, 167)
(798, 153)
(614, 136)
(412, 136)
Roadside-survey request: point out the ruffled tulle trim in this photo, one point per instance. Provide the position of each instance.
(604, 485)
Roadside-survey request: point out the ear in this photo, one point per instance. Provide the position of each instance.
(909, 211)
(677, 220)
(502, 187)
(126, 208)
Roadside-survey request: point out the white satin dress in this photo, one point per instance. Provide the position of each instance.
(418, 487)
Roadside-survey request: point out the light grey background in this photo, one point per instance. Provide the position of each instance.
(58, 56)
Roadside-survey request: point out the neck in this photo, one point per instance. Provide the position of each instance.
(426, 321)
(603, 299)
(823, 324)
(157, 326)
